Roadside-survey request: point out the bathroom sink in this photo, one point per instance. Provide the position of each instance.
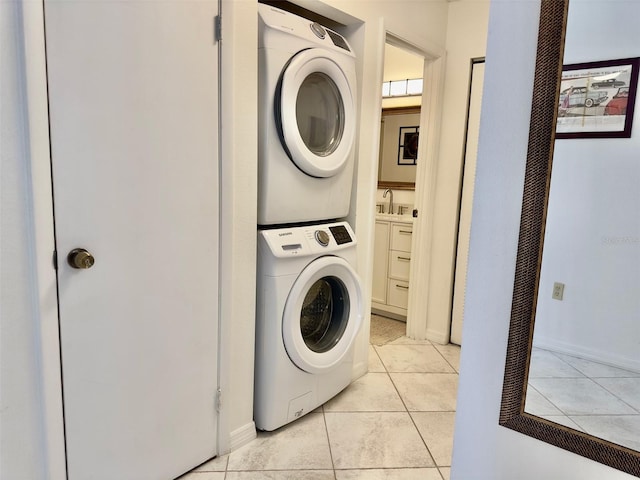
(389, 217)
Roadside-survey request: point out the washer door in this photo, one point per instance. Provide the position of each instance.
(315, 113)
(322, 315)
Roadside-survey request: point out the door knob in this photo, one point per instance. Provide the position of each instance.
(80, 258)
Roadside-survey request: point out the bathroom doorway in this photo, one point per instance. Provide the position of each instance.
(395, 196)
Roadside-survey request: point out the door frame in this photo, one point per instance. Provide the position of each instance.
(457, 335)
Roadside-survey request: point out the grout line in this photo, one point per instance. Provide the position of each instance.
(326, 429)
(593, 379)
(445, 358)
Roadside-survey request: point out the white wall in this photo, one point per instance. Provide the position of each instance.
(482, 449)
(466, 39)
(592, 241)
(20, 372)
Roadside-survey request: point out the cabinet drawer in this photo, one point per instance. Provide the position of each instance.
(398, 293)
(401, 237)
(399, 264)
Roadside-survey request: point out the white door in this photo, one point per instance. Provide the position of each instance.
(316, 112)
(133, 114)
(466, 203)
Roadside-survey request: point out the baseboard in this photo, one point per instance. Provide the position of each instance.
(606, 358)
(389, 311)
(437, 337)
(242, 436)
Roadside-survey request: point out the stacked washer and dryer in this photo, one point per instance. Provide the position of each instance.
(309, 302)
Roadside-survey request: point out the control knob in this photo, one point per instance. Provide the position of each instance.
(322, 237)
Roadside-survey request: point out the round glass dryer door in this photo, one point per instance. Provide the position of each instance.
(315, 113)
(322, 315)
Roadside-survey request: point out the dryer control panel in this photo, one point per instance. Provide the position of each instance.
(308, 240)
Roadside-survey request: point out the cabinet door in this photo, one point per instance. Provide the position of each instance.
(399, 263)
(401, 236)
(380, 262)
(398, 293)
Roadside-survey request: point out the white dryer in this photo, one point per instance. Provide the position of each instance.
(309, 311)
(307, 120)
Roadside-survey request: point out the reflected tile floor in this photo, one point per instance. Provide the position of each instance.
(586, 396)
(394, 423)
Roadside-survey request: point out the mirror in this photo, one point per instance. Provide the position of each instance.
(399, 135)
(552, 371)
(400, 118)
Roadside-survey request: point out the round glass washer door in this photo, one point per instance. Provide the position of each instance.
(316, 113)
(322, 315)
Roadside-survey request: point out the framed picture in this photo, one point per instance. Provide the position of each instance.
(597, 99)
(408, 145)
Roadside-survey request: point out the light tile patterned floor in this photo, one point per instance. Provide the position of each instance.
(395, 423)
(586, 396)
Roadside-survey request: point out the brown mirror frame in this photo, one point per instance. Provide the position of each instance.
(544, 109)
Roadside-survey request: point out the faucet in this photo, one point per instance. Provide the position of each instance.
(384, 195)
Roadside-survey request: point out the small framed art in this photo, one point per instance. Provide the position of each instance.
(597, 99)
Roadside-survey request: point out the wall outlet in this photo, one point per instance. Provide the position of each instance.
(558, 291)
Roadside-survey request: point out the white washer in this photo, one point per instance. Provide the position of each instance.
(307, 120)
(308, 312)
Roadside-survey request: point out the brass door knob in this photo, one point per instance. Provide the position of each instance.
(80, 258)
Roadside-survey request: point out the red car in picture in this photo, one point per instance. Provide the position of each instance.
(618, 104)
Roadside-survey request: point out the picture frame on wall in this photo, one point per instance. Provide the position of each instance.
(597, 99)
(408, 145)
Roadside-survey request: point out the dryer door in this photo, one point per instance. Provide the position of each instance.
(315, 112)
(322, 315)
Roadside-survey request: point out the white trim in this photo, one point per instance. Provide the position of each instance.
(369, 45)
(418, 324)
(238, 219)
(431, 52)
(42, 236)
(243, 435)
(438, 336)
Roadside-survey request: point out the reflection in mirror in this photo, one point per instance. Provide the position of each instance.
(575, 381)
(585, 364)
(399, 135)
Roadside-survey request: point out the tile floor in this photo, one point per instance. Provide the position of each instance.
(586, 396)
(394, 423)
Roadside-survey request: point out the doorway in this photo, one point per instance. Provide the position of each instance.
(395, 196)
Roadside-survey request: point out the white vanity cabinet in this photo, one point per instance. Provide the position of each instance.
(380, 263)
(392, 260)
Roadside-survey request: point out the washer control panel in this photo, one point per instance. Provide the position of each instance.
(340, 234)
(307, 240)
